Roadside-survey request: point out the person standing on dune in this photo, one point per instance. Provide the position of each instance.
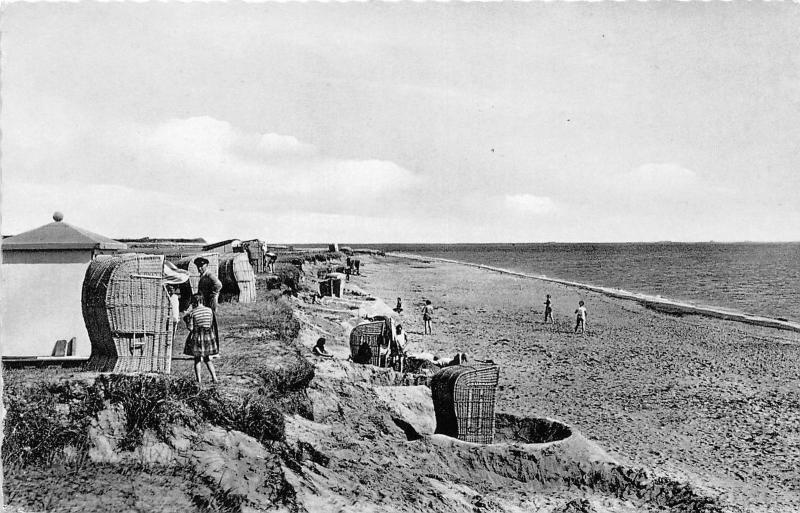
(580, 319)
(208, 285)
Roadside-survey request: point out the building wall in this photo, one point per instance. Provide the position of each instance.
(41, 303)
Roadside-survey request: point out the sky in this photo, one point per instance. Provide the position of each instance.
(403, 122)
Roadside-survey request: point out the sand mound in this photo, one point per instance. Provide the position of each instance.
(371, 439)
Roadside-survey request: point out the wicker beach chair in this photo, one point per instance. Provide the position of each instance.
(127, 314)
(464, 399)
(371, 333)
(237, 277)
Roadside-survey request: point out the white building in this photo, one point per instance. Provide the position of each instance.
(42, 277)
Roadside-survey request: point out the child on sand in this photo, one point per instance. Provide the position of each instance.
(548, 310)
(427, 316)
(319, 349)
(580, 320)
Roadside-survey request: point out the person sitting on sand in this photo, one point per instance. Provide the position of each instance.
(458, 359)
(427, 316)
(364, 354)
(399, 307)
(580, 319)
(202, 342)
(319, 349)
(548, 310)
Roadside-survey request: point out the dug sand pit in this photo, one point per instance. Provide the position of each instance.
(371, 448)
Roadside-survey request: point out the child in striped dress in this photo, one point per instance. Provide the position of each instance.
(202, 342)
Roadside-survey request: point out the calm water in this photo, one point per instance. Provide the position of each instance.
(762, 279)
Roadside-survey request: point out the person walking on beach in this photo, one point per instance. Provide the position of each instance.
(548, 310)
(203, 341)
(580, 319)
(427, 316)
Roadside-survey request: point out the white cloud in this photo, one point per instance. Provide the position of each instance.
(207, 143)
(530, 204)
(265, 171)
(155, 179)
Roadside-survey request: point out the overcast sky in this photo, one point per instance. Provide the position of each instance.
(404, 122)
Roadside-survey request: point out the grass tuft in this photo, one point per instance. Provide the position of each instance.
(44, 419)
(150, 403)
(250, 413)
(276, 315)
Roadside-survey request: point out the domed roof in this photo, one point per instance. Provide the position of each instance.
(60, 235)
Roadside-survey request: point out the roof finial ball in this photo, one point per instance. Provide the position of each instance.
(58, 216)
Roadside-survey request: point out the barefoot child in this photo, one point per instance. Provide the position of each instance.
(427, 316)
(580, 320)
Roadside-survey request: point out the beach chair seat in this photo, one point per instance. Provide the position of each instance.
(371, 334)
(60, 349)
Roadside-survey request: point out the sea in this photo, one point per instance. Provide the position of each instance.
(752, 278)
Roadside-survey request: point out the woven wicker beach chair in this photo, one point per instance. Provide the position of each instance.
(371, 333)
(237, 277)
(127, 313)
(464, 399)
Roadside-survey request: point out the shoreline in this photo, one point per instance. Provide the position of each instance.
(664, 305)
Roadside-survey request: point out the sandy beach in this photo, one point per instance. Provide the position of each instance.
(645, 412)
(703, 400)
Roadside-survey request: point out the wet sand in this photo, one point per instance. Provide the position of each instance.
(703, 400)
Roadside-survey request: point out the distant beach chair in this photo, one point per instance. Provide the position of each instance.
(371, 334)
(464, 399)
